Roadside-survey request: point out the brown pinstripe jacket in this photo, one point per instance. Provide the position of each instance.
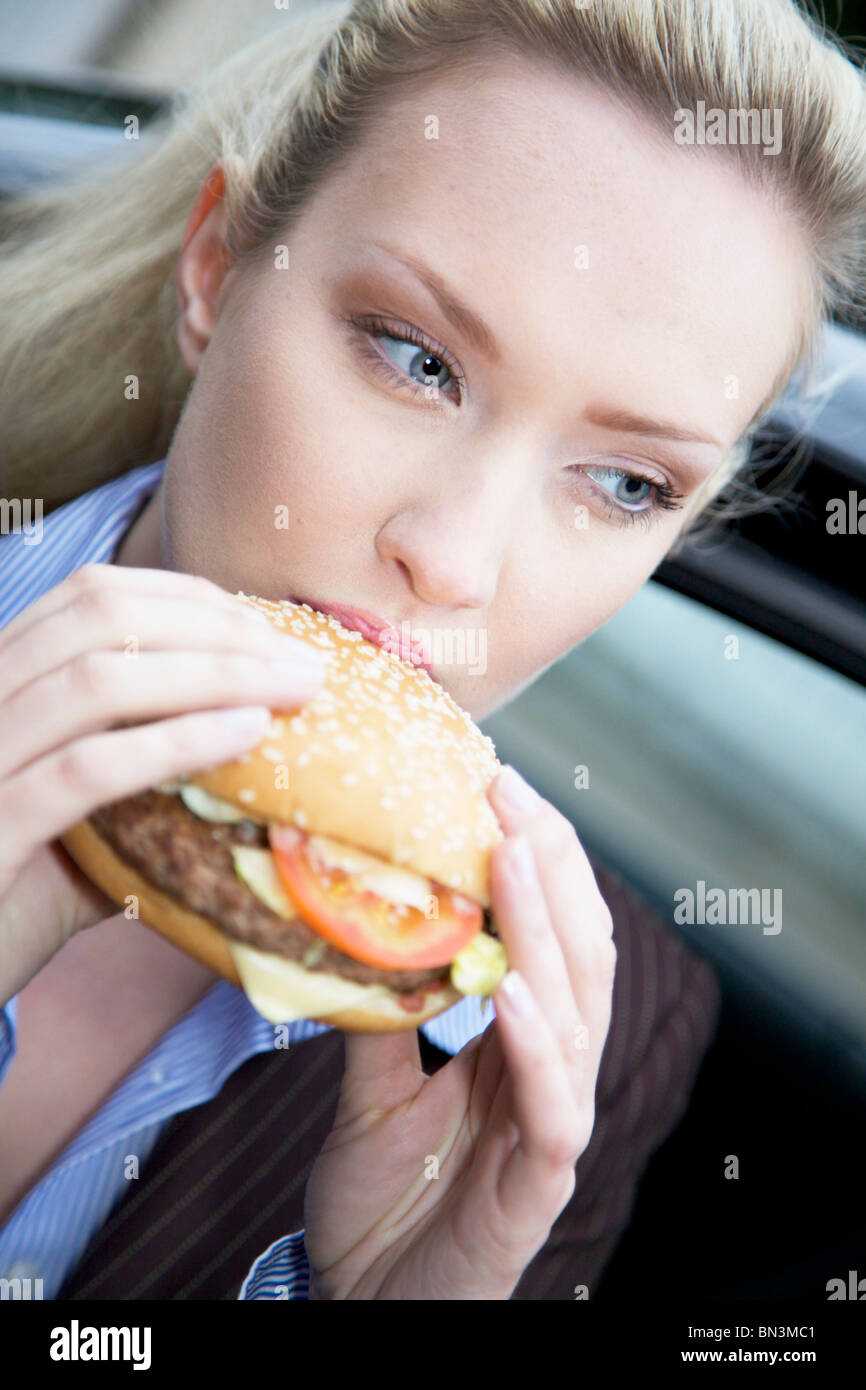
(227, 1177)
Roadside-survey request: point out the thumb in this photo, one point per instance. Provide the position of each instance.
(381, 1071)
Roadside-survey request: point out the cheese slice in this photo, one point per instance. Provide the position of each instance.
(267, 980)
(370, 872)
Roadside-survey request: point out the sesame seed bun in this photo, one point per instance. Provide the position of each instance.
(383, 759)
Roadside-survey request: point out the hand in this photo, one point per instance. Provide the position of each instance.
(87, 716)
(506, 1119)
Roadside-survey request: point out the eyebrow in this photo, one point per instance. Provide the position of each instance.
(616, 418)
(470, 324)
(477, 332)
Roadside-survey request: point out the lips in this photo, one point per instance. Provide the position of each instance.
(375, 629)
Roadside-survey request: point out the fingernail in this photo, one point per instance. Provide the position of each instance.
(516, 791)
(245, 719)
(302, 654)
(295, 673)
(518, 994)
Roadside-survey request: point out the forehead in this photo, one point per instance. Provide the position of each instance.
(573, 222)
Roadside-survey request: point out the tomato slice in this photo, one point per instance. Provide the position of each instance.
(360, 922)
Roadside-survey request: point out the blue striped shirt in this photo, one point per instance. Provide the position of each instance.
(50, 1229)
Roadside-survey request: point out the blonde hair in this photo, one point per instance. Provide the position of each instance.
(87, 284)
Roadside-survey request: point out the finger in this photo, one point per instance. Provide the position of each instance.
(98, 689)
(107, 620)
(92, 577)
(579, 915)
(580, 919)
(520, 809)
(525, 929)
(477, 1071)
(381, 1071)
(553, 1128)
(54, 792)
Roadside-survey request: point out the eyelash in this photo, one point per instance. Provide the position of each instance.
(404, 331)
(665, 497)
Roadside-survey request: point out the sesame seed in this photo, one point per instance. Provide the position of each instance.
(416, 739)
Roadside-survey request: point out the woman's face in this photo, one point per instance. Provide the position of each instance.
(507, 509)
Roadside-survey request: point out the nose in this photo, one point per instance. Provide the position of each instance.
(451, 550)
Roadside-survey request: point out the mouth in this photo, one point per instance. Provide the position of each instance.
(375, 629)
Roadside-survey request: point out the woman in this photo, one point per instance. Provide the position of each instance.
(473, 334)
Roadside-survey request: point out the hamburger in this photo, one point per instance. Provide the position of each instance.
(338, 871)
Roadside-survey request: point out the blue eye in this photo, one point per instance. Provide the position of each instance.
(428, 365)
(628, 490)
(627, 486)
(421, 362)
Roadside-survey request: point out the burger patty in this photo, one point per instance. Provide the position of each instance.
(190, 859)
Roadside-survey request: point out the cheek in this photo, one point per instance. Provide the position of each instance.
(262, 430)
(560, 604)
(273, 476)
(301, 429)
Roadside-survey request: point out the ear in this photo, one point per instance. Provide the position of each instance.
(204, 262)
